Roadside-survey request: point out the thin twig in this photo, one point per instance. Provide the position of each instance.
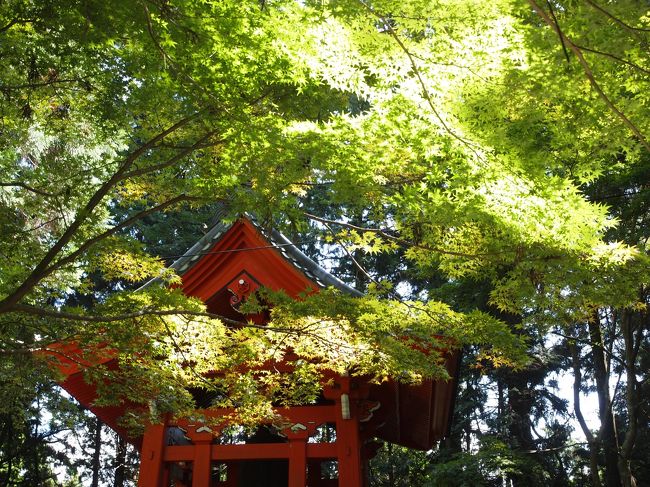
(42, 84)
(591, 344)
(88, 318)
(19, 184)
(616, 58)
(425, 91)
(566, 53)
(172, 160)
(403, 242)
(589, 74)
(67, 316)
(623, 24)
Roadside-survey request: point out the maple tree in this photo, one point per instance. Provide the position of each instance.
(464, 136)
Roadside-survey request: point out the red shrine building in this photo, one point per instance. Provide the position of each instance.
(324, 444)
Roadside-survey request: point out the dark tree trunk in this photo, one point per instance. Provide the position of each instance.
(501, 405)
(97, 446)
(120, 462)
(518, 389)
(391, 468)
(520, 405)
(631, 396)
(607, 435)
(592, 441)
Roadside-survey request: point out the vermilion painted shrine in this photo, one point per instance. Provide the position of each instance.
(229, 263)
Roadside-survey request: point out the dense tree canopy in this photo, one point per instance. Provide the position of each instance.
(480, 167)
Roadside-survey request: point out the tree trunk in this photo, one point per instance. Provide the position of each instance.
(120, 462)
(607, 434)
(501, 407)
(97, 446)
(391, 468)
(593, 443)
(631, 399)
(517, 389)
(520, 408)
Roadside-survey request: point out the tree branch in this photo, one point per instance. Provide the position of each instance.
(11, 23)
(42, 84)
(589, 74)
(350, 256)
(405, 243)
(168, 59)
(615, 58)
(126, 223)
(63, 315)
(634, 30)
(172, 160)
(26, 186)
(631, 394)
(591, 344)
(550, 9)
(40, 225)
(577, 385)
(37, 273)
(425, 91)
(557, 448)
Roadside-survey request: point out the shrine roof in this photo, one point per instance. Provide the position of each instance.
(232, 260)
(276, 240)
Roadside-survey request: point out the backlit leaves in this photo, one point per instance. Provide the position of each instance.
(458, 131)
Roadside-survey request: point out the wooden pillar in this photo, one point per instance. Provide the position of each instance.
(347, 393)
(201, 467)
(201, 436)
(151, 456)
(165, 475)
(298, 461)
(348, 442)
(349, 452)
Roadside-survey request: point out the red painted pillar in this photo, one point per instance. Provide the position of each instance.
(348, 449)
(201, 467)
(202, 463)
(346, 393)
(348, 441)
(151, 456)
(298, 461)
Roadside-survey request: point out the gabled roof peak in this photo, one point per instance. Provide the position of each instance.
(266, 241)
